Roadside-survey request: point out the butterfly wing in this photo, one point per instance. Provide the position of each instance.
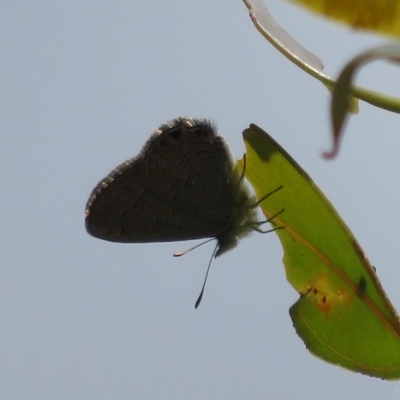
(178, 188)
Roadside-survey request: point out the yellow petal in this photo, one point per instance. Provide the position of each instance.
(381, 16)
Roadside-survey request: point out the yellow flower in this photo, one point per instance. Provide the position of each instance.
(381, 16)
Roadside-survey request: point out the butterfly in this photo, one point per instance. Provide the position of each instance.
(183, 185)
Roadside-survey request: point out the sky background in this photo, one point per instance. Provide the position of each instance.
(82, 86)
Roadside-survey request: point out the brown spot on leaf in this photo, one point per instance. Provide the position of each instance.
(361, 287)
(321, 299)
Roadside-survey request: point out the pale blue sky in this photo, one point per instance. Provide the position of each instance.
(82, 86)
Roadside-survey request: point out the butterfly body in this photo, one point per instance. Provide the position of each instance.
(183, 185)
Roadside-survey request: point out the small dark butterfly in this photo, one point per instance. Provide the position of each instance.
(183, 185)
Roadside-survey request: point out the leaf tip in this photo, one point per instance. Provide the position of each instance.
(329, 155)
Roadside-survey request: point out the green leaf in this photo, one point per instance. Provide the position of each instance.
(342, 91)
(280, 39)
(343, 315)
(308, 62)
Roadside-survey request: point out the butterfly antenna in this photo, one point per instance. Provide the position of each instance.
(182, 253)
(205, 279)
